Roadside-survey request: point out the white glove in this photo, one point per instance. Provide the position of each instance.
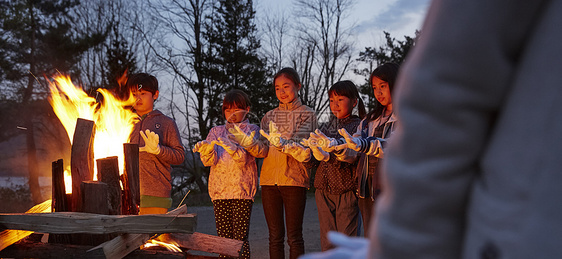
(317, 152)
(352, 142)
(297, 151)
(320, 154)
(228, 145)
(346, 247)
(151, 141)
(204, 147)
(274, 136)
(239, 136)
(326, 143)
(309, 142)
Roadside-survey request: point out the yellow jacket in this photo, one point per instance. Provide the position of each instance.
(295, 122)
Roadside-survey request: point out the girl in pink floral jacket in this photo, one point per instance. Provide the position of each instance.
(233, 180)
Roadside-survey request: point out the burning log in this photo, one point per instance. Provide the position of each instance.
(60, 200)
(108, 172)
(130, 179)
(77, 222)
(58, 188)
(101, 197)
(122, 245)
(95, 197)
(81, 160)
(205, 243)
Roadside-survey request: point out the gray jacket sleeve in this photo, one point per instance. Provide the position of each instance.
(449, 93)
(172, 150)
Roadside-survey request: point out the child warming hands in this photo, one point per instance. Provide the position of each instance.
(160, 146)
(335, 180)
(369, 140)
(233, 179)
(284, 179)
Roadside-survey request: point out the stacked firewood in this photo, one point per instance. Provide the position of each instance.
(99, 219)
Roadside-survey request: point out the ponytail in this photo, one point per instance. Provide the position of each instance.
(348, 89)
(361, 108)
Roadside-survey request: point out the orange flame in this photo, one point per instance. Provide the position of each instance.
(169, 246)
(113, 122)
(122, 80)
(67, 181)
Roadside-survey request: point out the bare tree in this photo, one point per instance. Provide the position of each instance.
(179, 50)
(325, 50)
(91, 16)
(275, 29)
(174, 36)
(115, 19)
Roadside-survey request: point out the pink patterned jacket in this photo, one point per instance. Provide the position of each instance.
(232, 176)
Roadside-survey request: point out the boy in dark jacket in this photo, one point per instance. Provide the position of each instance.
(160, 146)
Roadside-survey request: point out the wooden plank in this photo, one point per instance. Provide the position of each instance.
(130, 179)
(108, 172)
(204, 242)
(81, 159)
(122, 245)
(76, 222)
(119, 247)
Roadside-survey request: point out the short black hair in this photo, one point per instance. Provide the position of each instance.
(235, 99)
(142, 81)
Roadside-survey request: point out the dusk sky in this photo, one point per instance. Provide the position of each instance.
(372, 17)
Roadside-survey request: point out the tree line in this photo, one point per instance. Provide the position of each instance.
(202, 47)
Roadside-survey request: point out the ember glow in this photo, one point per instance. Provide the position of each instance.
(113, 122)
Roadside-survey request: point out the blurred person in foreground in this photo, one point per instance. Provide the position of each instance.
(475, 171)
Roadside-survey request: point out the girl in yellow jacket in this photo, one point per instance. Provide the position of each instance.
(284, 179)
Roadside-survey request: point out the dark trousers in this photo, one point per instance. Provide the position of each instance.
(366, 206)
(288, 202)
(232, 218)
(336, 212)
